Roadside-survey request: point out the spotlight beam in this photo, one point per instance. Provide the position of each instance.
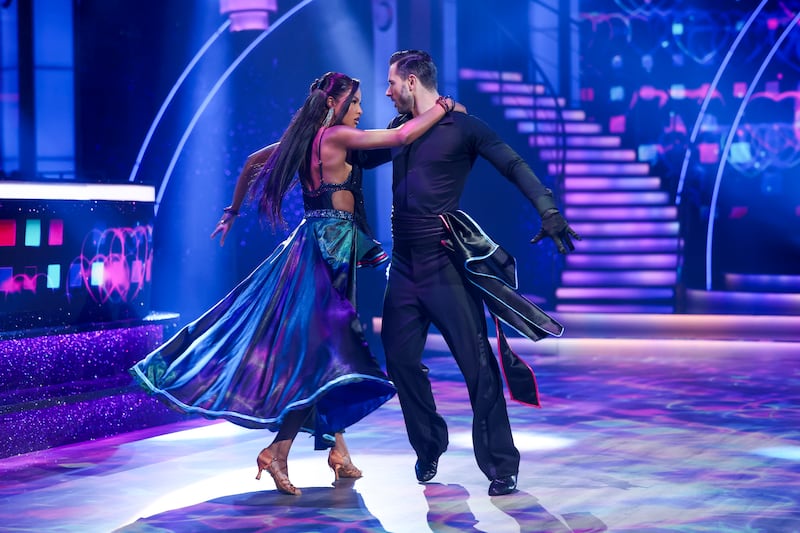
(213, 91)
(168, 100)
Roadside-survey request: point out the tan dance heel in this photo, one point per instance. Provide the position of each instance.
(265, 461)
(342, 466)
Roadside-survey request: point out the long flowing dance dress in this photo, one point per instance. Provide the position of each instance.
(287, 337)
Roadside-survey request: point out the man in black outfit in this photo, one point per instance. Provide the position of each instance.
(426, 287)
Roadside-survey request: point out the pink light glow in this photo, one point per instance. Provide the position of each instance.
(737, 212)
(55, 235)
(8, 232)
(248, 14)
(22, 282)
(125, 254)
(709, 152)
(616, 124)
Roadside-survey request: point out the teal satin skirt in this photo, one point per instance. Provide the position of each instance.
(286, 338)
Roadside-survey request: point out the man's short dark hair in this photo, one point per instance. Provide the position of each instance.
(418, 63)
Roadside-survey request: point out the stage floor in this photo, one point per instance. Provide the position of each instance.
(657, 438)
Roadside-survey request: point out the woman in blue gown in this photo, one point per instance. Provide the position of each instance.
(284, 350)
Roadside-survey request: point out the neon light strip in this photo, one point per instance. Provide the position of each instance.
(596, 261)
(76, 191)
(618, 229)
(711, 89)
(602, 214)
(762, 281)
(211, 93)
(550, 127)
(633, 309)
(200, 53)
(591, 155)
(630, 277)
(605, 184)
(615, 198)
(549, 140)
(517, 113)
(618, 292)
(732, 132)
(592, 169)
(639, 244)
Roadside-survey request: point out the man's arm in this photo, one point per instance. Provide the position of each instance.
(511, 165)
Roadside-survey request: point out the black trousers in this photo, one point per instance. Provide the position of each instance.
(426, 288)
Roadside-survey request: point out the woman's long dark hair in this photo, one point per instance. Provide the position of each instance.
(290, 157)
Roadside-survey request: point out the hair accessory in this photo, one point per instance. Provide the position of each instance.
(328, 118)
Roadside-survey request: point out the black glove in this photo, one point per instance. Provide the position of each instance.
(556, 227)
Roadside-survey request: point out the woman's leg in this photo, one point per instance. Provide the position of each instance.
(339, 460)
(274, 457)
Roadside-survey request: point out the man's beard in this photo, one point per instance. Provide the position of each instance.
(405, 104)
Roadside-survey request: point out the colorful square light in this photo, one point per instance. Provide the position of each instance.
(53, 276)
(97, 273)
(55, 237)
(8, 232)
(33, 232)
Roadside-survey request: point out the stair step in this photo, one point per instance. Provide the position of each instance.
(616, 198)
(779, 283)
(480, 74)
(666, 212)
(618, 229)
(631, 244)
(588, 155)
(598, 141)
(559, 128)
(515, 100)
(622, 261)
(627, 278)
(738, 302)
(606, 293)
(614, 308)
(510, 98)
(605, 169)
(605, 183)
(522, 113)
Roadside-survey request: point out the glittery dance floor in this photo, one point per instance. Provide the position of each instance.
(634, 436)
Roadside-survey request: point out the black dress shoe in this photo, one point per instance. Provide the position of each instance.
(426, 470)
(503, 485)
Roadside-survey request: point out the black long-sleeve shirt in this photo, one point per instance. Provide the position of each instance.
(429, 175)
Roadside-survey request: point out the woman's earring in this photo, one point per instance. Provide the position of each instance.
(328, 118)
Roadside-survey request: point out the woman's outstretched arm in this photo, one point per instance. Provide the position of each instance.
(252, 166)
